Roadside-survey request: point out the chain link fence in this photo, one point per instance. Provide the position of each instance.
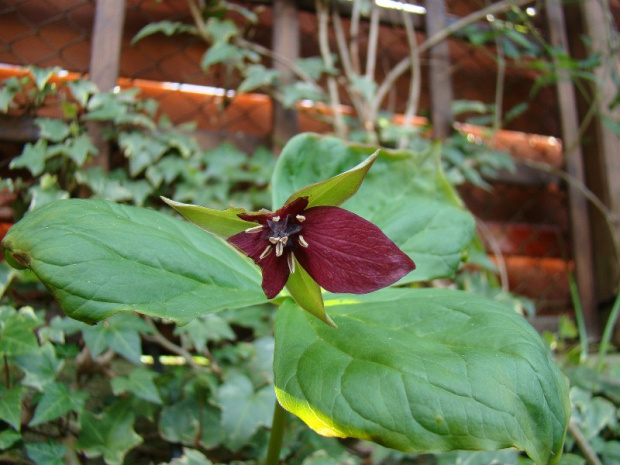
(528, 224)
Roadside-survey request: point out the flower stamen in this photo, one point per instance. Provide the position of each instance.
(301, 218)
(266, 252)
(302, 241)
(290, 260)
(275, 219)
(254, 229)
(279, 249)
(274, 240)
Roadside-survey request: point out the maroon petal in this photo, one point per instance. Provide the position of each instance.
(275, 269)
(346, 253)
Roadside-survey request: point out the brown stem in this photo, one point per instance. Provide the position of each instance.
(415, 84)
(583, 444)
(354, 32)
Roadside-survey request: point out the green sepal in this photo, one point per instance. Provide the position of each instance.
(307, 294)
(223, 223)
(335, 190)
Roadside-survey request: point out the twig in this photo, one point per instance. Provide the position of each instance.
(497, 252)
(354, 32)
(583, 444)
(167, 344)
(499, 84)
(332, 86)
(345, 59)
(405, 63)
(373, 42)
(416, 77)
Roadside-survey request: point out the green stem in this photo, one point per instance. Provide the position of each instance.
(581, 324)
(609, 328)
(277, 433)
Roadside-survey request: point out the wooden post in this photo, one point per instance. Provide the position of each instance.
(104, 62)
(604, 143)
(579, 215)
(439, 73)
(285, 42)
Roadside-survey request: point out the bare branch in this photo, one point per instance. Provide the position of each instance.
(354, 31)
(373, 42)
(416, 77)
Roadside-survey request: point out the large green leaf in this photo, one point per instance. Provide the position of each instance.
(405, 194)
(99, 258)
(422, 371)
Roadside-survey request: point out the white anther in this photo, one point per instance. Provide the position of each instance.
(290, 260)
(302, 241)
(279, 249)
(254, 229)
(274, 240)
(284, 240)
(301, 218)
(275, 218)
(266, 252)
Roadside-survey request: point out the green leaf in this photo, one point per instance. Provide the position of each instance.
(420, 371)
(7, 93)
(46, 453)
(257, 76)
(52, 129)
(40, 367)
(56, 401)
(405, 194)
(199, 331)
(142, 151)
(103, 185)
(191, 457)
(222, 52)
(32, 157)
(167, 28)
(8, 437)
(80, 147)
(110, 434)
(365, 86)
(223, 223)
(184, 421)
(307, 293)
(221, 30)
(11, 406)
(140, 383)
(120, 333)
(42, 75)
(243, 409)
(82, 90)
(99, 258)
(17, 333)
(332, 191)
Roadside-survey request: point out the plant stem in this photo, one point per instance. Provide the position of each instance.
(607, 333)
(277, 433)
(581, 324)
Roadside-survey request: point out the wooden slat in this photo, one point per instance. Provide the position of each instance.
(104, 62)
(579, 215)
(440, 81)
(285, 42)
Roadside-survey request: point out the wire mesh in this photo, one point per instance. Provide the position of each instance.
(528, 222)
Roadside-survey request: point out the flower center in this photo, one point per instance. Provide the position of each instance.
(281, 231)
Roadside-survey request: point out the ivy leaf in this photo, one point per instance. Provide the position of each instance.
(243, 409)
(40, 367)
(191, 457)
(198, 332)
(167, 28)
(79, 148)
(82, 90)
(52, 129)
(17, 333)
(423, 371)
(8, 437)
(141, 150)
(56, 401)
(120, 332)
(32, 158)
(257, 76)
(42, 75)
(222, 52)
(46, 453)
(140, 383)
(109, 434)
(11, 406)
(186, 420)
(221, 30)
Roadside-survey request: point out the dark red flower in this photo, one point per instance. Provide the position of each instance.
(341, 251)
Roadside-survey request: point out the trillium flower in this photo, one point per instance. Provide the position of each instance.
(341, 251)
(310, 242)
